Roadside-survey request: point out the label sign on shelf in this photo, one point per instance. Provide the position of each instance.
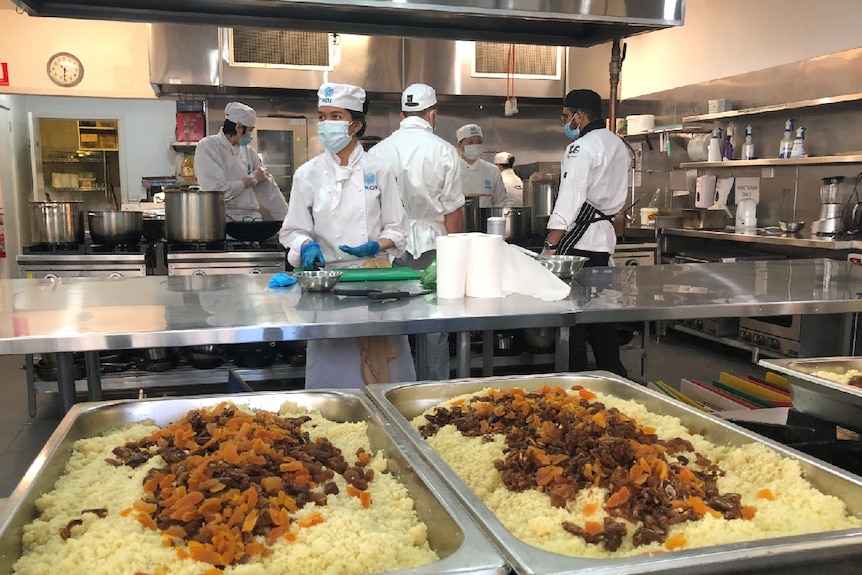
(4, 74)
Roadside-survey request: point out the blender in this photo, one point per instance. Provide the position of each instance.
(833, 196)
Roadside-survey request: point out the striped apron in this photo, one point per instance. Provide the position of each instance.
(587, 216)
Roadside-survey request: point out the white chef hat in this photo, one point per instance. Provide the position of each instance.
(341, 96)
(503, 158)
(418, 97)
(239, 113)
(467, 131)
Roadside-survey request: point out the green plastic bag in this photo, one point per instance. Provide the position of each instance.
(428, 277)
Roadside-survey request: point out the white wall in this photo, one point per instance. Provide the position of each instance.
(146, 130)
(114, 55)
(723, 38)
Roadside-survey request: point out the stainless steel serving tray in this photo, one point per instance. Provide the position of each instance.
(839, 550)
(462, 546)
(818, 396)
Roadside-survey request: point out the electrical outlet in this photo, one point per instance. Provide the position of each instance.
(767, 172)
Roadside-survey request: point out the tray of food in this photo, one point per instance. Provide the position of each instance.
(592, 473)
(826, 387)
(281, 482)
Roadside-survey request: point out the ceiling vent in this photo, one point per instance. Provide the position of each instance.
(259, 47)
(491, 60)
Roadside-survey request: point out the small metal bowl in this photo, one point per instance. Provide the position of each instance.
(790, 227)
(564, 267)
(319, 281)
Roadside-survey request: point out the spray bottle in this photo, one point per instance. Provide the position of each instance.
(713, 150)
(727, 153)
(748, 147)
(786, 144)
(798, 150)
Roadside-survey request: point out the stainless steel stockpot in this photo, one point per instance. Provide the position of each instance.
(194, 215)
(57, 222)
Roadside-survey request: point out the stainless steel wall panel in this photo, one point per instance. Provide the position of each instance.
(184, 54)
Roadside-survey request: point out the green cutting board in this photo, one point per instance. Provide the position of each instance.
(377, 274)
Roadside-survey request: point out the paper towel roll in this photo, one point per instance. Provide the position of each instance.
(453, 252)
(485, 266)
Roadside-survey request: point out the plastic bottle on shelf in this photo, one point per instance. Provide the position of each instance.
(727, 152)
(798, 150)
(713, 150)
(188, 167)
(748, 146)
(786, 145)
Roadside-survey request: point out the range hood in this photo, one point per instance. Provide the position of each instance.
(539, 22)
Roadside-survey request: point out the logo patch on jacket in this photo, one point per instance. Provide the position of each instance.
(371, 181)
(487, 184)
(573, 150)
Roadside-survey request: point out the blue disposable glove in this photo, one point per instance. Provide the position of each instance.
(311, 257)
(282, 280)
(366, 250)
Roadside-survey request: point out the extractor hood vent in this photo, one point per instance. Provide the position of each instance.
(287, 48)
(546, 22)
(493, 60)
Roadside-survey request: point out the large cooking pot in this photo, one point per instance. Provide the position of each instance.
(113, 228)
(194, 216)
(540, 198)
(517, 219)
(472, 219)
(252, 230)
(57, 222)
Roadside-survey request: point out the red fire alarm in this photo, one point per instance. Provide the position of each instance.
(4, 74)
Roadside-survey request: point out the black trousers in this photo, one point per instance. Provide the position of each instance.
(602, 337)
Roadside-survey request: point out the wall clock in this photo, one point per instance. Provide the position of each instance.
(65, 69)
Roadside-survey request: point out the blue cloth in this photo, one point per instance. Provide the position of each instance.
(366, 250)
(282, 280)
(310, 255)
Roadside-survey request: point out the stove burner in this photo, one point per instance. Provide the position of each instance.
(85, 249)
(226, 246)
(180, 247)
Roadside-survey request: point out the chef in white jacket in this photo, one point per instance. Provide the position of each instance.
(505, 162)
(478, 177)
(345, 211)
(227, 163)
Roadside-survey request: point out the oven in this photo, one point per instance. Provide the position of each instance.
(226, 258)
(797, 335)
(86, 260)
(635, 254)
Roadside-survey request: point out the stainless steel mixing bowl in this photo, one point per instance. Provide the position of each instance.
(318, 281)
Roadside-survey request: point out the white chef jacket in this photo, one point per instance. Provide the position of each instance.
(482, 178)
(221, 166)
(343, 205)
(334, 205)
(514, 188)
(429, 180)
(595, 169)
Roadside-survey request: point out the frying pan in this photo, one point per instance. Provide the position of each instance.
(252, 230)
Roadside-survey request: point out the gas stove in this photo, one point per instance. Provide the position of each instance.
(83, 260)
(230, 257)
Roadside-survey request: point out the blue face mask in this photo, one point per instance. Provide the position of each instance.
(334, 134)
(245, 140)
(572, 134)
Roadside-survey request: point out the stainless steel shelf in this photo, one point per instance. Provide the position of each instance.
(179, 377)
(813, 103)
(184, 146)
(675, 129)
(812, 161)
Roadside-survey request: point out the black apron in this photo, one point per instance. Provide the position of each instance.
(587, 216)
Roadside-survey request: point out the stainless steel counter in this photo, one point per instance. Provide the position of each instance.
(84, 314)
(737, 289)
(770, 236)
